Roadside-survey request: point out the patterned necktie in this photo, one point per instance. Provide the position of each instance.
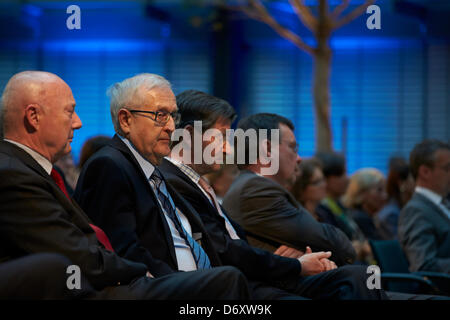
(200, 256)
(212, 195)
(101, 235)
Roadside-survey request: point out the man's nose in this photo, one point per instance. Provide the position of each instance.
(170, 125)
(298, 159)
(227, 147)
(76, 123)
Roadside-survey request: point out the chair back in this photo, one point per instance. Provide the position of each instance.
(389, 255)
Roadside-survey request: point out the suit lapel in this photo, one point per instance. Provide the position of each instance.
(75, 213)
(28, 160)
(169, 166)
(187, 211)
(421, 198)
(173, 169)
(117, 143)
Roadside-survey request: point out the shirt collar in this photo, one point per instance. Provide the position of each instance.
(430, 195)
(43, 162)
(194, 176)
(146, 166)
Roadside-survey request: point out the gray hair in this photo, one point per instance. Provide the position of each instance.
(361, 181)
(126, 93)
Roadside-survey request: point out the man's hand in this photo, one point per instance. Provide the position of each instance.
(328, 264)
(289, 252)
(315, 263)
(149, 275)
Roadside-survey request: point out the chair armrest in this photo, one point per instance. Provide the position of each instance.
(439, 279)
(420, 284)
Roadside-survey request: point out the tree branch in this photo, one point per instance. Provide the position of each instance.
(353, 15)
(339, 9)
(304, 14)
(257, 11)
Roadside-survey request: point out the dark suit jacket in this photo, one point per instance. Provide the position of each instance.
(115, 193)
(256, 264)
(263, 207)
(36, 216)
(424, 232)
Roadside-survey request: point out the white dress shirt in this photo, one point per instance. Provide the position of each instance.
(43, 162)
(185, 259)
(433, 197)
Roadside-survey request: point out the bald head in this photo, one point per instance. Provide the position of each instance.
(31, 102)
(25, 88)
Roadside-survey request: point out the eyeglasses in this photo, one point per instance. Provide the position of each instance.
(160, 117)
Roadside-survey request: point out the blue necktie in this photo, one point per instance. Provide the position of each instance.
(200, 256)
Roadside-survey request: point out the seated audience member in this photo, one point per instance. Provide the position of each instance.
(399, 187)
(91, 146)
(335, 172)
(258, 201)
(185, 175)
(310, 188)
(123, 191)
(424, 223)
(221, 180)
(40, 276)
(37, 215)
(365, 196)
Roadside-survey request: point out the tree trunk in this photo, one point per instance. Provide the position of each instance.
(321, 87)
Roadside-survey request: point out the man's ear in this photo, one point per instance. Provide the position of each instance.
(266, 146)
(124, 118)
(424, 171)
(33, 117)
(190, 129)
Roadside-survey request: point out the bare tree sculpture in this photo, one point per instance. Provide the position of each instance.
(321, 26)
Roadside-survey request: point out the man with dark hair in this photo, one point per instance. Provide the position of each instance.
(228, 237)
(424, 223)
(259, 202)
(207, 108)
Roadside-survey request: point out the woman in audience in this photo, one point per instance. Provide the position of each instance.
(365, 196)
(400, 187)
(310, 188)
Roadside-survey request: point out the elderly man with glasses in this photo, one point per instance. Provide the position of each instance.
(121, 189)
